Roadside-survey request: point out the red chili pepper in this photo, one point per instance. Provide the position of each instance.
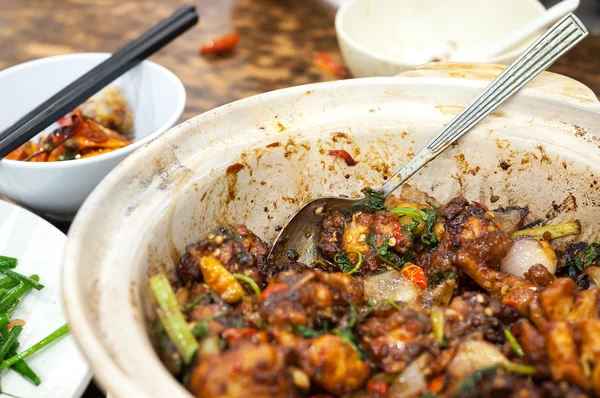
(326, 63)
(377, 386)
(231, 336)
(273, 289)
(415, 274)
(510, 303)
(436, 385)
(221, 45)
(340, 153)
(70, 118)
(484, 207)
(398, 232)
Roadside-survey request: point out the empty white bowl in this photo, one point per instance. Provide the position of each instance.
(154, 94)
(377, 37)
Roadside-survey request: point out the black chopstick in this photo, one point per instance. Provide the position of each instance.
(93, 81)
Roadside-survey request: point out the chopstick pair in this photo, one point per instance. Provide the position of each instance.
(96, 79)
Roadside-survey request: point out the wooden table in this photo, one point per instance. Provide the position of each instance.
(279, 40)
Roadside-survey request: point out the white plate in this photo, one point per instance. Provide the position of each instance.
(39, 246)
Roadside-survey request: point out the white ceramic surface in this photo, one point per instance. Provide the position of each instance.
(141, 217)
(156, 96)
(39, 247)
(377, 37)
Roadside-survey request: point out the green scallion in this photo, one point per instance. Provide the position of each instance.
(437, 324)
(16, 293)
(249, 281)
(513, 343)
(172, 318)
(61, 331)
(32, 282)
(8, 262)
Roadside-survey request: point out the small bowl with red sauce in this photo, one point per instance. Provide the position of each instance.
(89, 142)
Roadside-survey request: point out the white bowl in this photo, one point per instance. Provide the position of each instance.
(155, 94)
(174, 191)
(376, 37)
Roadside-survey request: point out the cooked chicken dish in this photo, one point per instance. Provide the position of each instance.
(410, 298)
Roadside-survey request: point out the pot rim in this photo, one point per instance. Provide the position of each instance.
(105, 368)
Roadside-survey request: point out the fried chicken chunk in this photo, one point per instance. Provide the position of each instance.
(248, 370)
(393, 339)
(237, 248)
(309, 297)
(334, 364)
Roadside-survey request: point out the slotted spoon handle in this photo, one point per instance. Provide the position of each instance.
(559, 39)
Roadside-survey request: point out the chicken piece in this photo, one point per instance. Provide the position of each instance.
(110, 110)
(334, 364)
(562, 352)
(237, 248)
(569, 320)
(533, 344)
(393, 339)
(569, 330)
(372, 234)
(511, 289)
(481, 247)
(463, 230)
(539, 275)
(309, 298)
(478, 313)
(493, 383)
(248, 371)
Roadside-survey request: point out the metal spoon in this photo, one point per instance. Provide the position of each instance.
(302, 230)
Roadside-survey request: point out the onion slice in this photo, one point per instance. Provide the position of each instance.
(389, 286)
(594, 273)
(525, 253)
(474, 355)
(411, 381)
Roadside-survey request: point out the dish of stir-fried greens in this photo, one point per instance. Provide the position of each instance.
(411, 298)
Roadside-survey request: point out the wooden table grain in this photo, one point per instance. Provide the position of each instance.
(279, 41)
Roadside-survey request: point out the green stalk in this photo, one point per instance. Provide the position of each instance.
(61, 331)
(11, 308)
(11, 339)
(202, 325)
(24, 370)
(555, 231)
(249, 281)
(359, 261)
(521, 369)
(394, 305)
(437, 324)
(20, 367)
(409, 211)
(16, 293)
(29, 280)
(172, 318)
(3, 321)
(513, 343)
(7, 282)
(8, 262)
